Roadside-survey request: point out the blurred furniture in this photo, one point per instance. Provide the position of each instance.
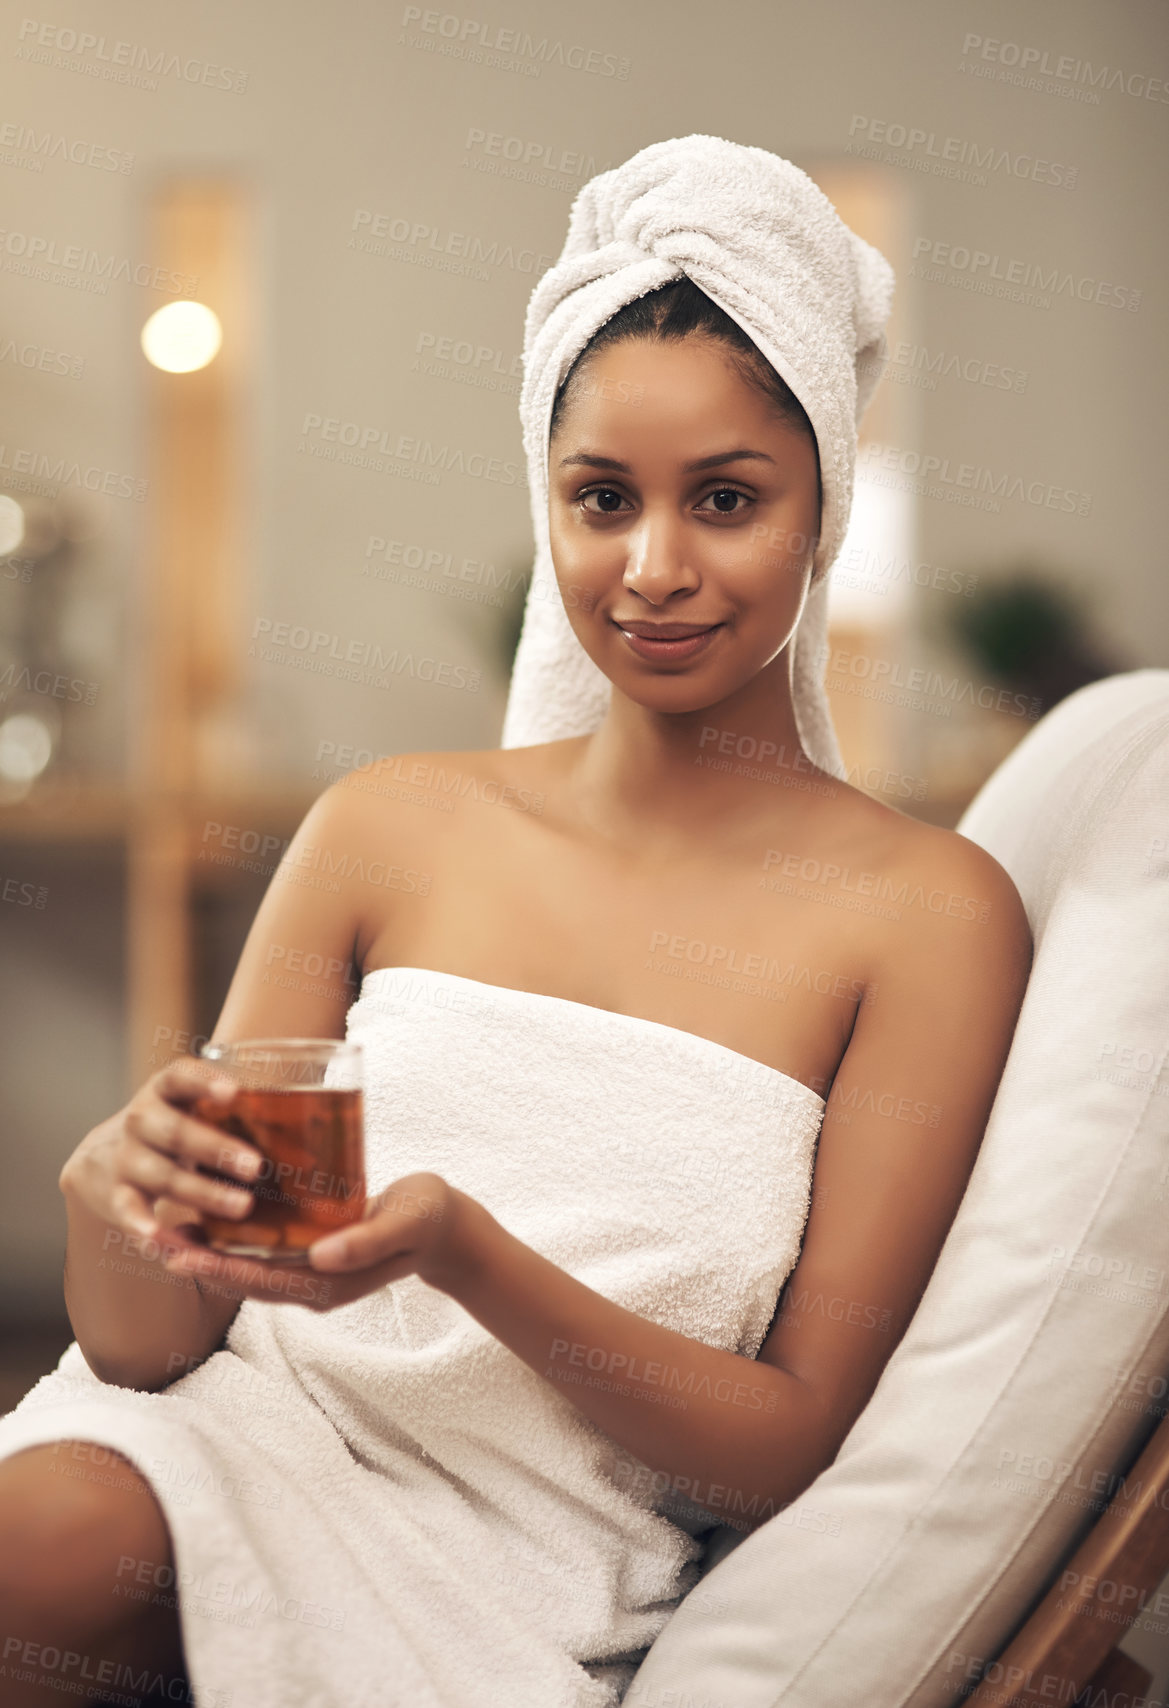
(164, 838)
(1074, 1633)
(187, 769)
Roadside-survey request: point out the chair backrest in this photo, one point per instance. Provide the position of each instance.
(1034, 1364)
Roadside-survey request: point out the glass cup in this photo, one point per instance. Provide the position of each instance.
(299, 1103)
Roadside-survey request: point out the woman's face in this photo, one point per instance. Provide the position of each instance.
(679, 502)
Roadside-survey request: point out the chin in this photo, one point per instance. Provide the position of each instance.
(678, 694)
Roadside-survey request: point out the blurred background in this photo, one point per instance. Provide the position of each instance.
(263, 273)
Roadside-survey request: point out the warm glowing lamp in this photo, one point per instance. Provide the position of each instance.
(182, 336)
(11, 524)
(26, 746)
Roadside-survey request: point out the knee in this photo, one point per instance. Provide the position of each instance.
(71, 1537)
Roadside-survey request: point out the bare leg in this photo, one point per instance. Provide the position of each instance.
(72, 1515)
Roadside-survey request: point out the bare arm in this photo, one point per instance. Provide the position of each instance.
(138, 1324)
(902, 1129)
(740, 1438)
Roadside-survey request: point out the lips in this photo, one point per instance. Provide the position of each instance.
(665, 631)
(663, 642)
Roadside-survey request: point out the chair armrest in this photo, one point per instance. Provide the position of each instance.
(1096, 1595)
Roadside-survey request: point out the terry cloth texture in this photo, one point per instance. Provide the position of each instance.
(381, 1506)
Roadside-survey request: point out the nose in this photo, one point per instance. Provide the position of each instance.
(657, 563)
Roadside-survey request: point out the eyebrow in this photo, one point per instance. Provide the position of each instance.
(589, 460)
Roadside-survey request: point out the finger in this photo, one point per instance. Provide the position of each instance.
(158, 1174)
(336, 1253)
(133, 1211)
(193, 1142)
(153, 1240)
(170, 1213)
(386, 1234)
(398, 1221)
(189, 1077)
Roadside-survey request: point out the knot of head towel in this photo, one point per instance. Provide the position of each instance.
(763, 242)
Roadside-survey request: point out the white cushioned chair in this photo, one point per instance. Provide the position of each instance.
(962, 1512)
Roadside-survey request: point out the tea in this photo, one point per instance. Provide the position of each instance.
(312, 1180)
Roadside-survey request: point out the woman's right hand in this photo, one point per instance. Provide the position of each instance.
(138, 1170)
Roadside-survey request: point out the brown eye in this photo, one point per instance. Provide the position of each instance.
(609, 500)
(726, 500)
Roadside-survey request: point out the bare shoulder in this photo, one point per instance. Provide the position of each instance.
(931, 914)
(951, 936)
(420, 803)
(929, 878)
(952, 881)
(441, 778)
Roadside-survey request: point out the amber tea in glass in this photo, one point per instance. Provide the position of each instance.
(299, 1103)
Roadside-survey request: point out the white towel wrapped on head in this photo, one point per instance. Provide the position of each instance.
(763, 242)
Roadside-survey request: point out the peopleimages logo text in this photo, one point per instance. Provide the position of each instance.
(75, 257)
(1038, 62)
(373, 229)
(974, 478)
(1030, 274)
(880, 136)
(475, 35)
(127, 56)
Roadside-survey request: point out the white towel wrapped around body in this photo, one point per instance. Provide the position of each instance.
(381, 1506)
(764, 243)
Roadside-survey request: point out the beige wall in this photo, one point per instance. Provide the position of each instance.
(343, 111)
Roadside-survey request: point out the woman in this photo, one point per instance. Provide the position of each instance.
(485, 1434)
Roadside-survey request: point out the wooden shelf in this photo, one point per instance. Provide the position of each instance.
(161, 832)
(68, 811)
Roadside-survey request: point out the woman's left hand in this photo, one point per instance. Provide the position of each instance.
(421, 1225)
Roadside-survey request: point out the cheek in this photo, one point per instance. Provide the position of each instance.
(557, 532)
(781, 543)
(560, 531)
(762, 565)
(577, 548)
(581, 565)
(777, 573)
